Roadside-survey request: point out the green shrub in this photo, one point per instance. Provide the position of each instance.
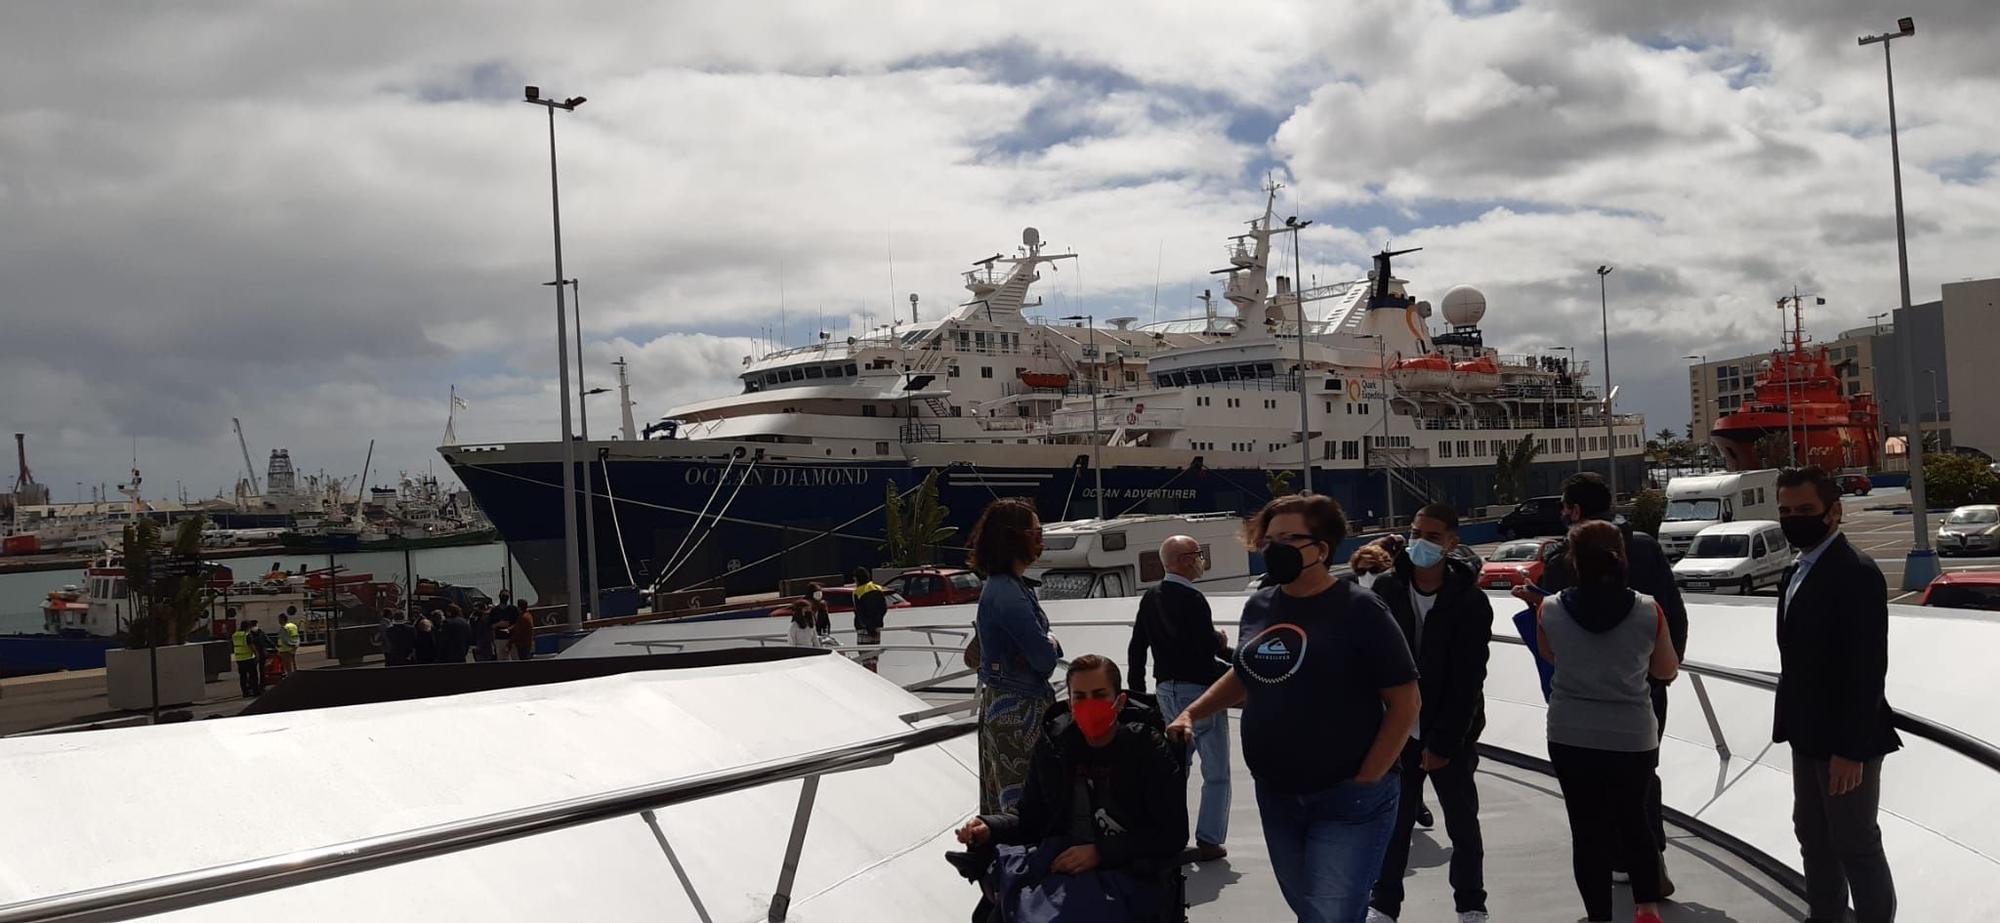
(1648, 509)
(1956, 480)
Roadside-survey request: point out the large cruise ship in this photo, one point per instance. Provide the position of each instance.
(788, 478)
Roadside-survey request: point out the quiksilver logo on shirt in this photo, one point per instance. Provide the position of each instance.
(1274, 654)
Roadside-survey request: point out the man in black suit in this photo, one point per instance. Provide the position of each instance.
(1586, 497)
(1833, 654)
(1448, 624)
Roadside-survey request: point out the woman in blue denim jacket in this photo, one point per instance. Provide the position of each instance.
(1017, 653)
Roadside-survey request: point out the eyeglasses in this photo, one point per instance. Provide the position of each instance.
(1288, 539)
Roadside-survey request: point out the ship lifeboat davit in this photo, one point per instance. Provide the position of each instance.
(1475, 375)
(1424, 373)
(1045, 379)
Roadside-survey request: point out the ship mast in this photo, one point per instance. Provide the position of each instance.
(625, 426)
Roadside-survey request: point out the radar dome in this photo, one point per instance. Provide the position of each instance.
(1464, 306)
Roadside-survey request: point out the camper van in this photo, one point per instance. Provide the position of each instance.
(1695, 503)
(1092, 558)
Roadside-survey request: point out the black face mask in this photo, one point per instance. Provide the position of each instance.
(1283, 564)
(1805, 532)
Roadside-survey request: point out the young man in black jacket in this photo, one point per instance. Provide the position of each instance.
(1104, 813)
(1174, 623)
(1833, 656)
(1585, 497)
(1448, 623)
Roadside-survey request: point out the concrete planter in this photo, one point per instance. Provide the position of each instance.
(128, 677)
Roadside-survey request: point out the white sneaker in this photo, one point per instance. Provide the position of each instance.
(1472, 916)
(1377, 916)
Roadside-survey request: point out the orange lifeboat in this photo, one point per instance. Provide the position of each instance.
(1479, 374)
(1423, 373)
(1045, 379)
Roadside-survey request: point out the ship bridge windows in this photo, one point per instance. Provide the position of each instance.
(814, 371)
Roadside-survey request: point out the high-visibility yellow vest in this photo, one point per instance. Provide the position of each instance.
(240, 645)
(288, 639)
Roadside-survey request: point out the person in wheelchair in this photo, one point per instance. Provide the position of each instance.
(1103, 819)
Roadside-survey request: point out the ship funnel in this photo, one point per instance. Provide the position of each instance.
(1122, 323)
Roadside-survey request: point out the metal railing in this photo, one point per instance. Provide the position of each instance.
(201, 887)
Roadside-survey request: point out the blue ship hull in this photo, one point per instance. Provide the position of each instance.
(688, 523)
(25, 655)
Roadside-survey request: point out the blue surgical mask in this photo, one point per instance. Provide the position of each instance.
(1425, 553)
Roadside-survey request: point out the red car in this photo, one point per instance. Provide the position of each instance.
(1964, 590)
(1516, 563)
(841, 599)
(936, 586)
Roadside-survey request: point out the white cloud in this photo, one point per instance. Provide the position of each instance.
(292, 215)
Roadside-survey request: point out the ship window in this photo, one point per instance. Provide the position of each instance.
(952, 372)
(770, 378)
(957, 411)
(1333, 384)
(851, 370)
(1364, 410)
(1228, 373)
(1265, 370)
(986, 371)
(1329, 406)
(1854, 387)
(867, 410)
(1444, 450)
(814, 371)
(979, 339)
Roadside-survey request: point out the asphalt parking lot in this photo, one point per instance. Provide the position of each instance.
(1878, 524)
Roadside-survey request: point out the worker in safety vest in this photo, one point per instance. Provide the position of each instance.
(248, 672)
(288, 641)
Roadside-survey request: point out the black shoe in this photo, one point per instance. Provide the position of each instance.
(1424, 818)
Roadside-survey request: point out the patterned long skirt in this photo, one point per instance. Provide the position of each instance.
(1009, 724)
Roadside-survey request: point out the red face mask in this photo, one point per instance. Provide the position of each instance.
(1094, 717)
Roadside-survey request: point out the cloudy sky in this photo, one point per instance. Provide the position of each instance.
(319, 216)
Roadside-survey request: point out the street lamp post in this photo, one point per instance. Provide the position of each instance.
(572, 586)
(1610, 434)
(1575, 418)
(1921, 564)
(1937, 410)
(583, 428)
(1096, 457)
(1299, 299)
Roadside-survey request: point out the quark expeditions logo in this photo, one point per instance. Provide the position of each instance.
(842, 476)
(1274, 654)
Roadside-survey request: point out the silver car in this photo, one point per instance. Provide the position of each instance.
(1971, 529)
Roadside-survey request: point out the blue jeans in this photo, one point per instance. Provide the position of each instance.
(1211, 744)
(1326, 847)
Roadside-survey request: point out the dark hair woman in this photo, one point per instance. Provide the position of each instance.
(1605, 640)
(799, 628)
(1330, 696)
(1016, 652)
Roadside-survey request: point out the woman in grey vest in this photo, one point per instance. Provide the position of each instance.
(1605, 640)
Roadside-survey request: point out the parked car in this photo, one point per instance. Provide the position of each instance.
(1735, 557)
(1970, 529)
(1856, 484)
(841, 599)
(1964, 590)
(1516, 563)
(936, 586)
(1535, 516)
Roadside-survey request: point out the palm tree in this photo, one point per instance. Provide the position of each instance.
(1511, 463)
(917, 526)
(1278, 483)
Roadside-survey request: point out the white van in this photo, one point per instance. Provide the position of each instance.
(1695, 503)
(1734, 557)
(1094, 558)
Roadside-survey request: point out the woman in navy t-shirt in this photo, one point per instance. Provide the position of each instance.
(1330, 695)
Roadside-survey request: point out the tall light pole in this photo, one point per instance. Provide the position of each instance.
(1921, 563)
(1096, 457)
(1937, 410)
(1575, 418)
(1388, 478)
(583, 427)
(1610, 434)
(571, 585)
(1299, 299)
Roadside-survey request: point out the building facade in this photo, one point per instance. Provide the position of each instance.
(1972, 327)
(1932, 380)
